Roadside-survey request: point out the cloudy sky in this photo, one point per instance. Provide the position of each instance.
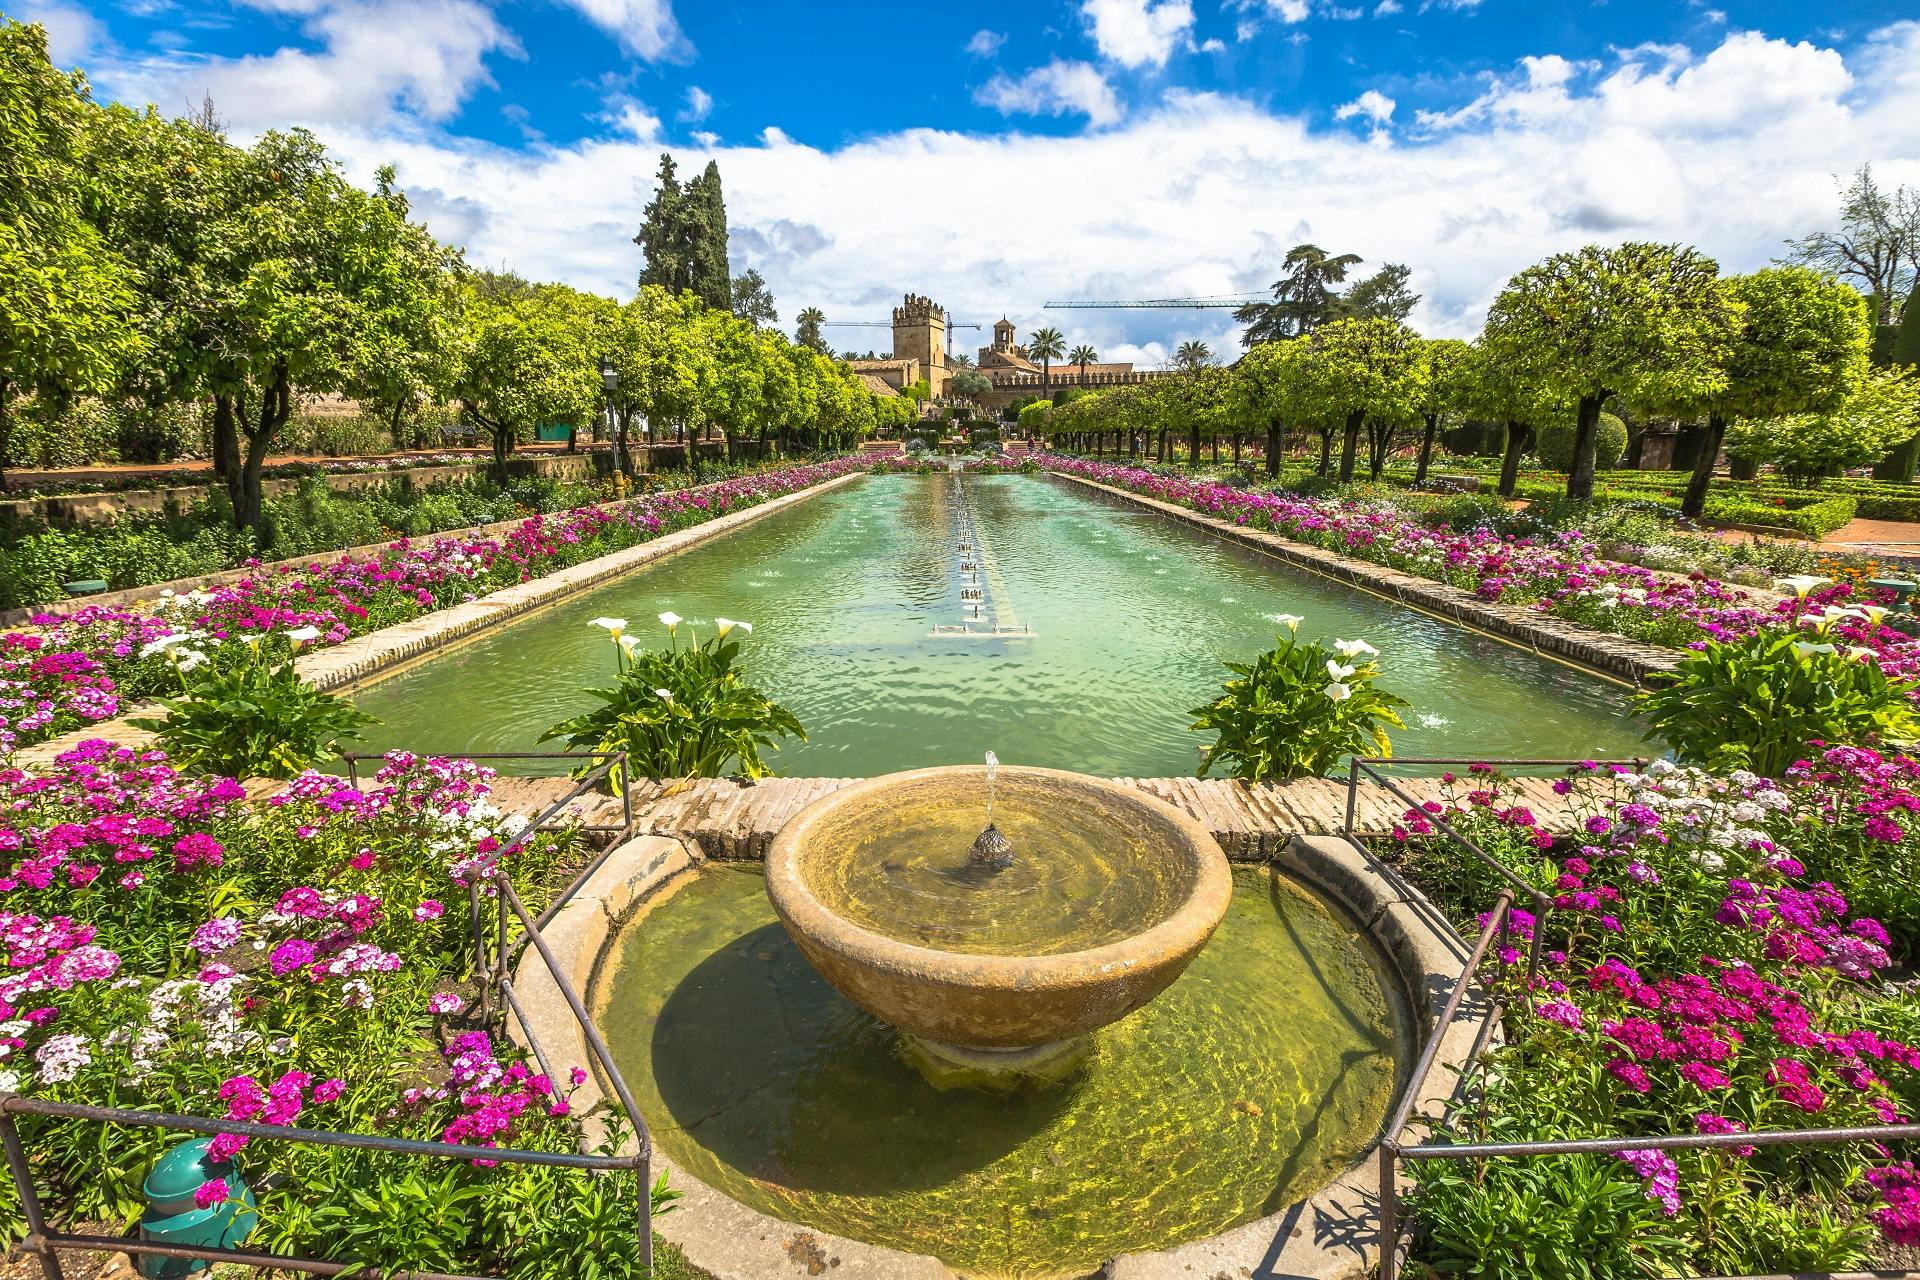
(999, 157)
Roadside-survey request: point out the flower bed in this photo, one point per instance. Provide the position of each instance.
(172, 945)
(79, 668)
(1712, 964)
(1564, 575)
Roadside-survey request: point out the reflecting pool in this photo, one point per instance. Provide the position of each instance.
(1071, 632)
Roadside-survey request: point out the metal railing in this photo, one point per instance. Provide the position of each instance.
(43, 1241)
(1393, 1148)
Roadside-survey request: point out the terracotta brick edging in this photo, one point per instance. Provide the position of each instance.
(345, 665)
(1616, 657)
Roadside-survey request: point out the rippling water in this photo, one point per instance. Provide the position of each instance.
(1130, 616)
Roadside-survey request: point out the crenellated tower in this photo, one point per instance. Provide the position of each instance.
(920, 333)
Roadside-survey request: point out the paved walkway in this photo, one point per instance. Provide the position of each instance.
(737, 820)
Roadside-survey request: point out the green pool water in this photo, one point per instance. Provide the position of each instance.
(1253, 1081)
(856, 597)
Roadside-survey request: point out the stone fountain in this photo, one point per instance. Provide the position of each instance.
(997, 950)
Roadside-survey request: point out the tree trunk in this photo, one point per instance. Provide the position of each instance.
(500, 436)
(1517, 435)
(1379, 441)
(1586, 436)
(1193, 445)
(1160, 447)
(226, 441)
(726, 439)
(1426, 450)
(393, 422)
(1350, 444)
(1237, 437)
(1326, 452)
(1216, 450)
(1695, 503)
(1273, 448)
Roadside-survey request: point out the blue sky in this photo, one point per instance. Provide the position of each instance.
(995, 157)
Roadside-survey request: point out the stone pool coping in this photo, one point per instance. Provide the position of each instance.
(379, 653)
(1331, 1235)
(1600, 652)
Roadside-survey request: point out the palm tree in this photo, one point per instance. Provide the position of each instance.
(960, 360)
(1046, 345)
(1192, 354)
(807, 332)
(1083, 355)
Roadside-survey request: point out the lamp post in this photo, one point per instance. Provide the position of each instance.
(610, 383)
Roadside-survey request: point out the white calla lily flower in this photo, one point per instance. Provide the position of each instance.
(300, 635)
(665, 695)
(670, 619)
(1338, 671)
(1337, 692)
(1291, 621)
(1354, 648)
(615, 625)
(1805, 650)
(1799, 583)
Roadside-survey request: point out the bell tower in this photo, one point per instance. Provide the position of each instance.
(920, 333)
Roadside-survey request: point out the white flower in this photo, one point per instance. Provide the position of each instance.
(629, 643)
(670, 620)
(300, 635)
(1291, 621)
(1354, 648)
(1799, 584)
(1337, 692)
(728, 624)
(190, 659)
(615, 625)
(1805, 650)
(665, 695)
(1336, 671)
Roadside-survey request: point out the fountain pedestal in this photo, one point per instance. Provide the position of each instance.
(1111, 894)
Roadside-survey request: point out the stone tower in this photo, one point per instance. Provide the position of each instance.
(920, 333)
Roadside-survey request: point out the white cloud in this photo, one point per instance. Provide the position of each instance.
(646, 28)
(377, 59)
(1138, 33)
(986, 43)
(1372, 104)
(1733, 150)
(1386, 7)
(699, 103)
(1057, 89)
(71, 33)
(1287, 11)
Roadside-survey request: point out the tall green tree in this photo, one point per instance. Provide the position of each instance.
(1384, 295)
(665, 237)
(806, 332)
(1492, 390)
(529, 356)
(1303, 297)
(1879, 410)
(708, 273)
(753, 301)
(1262, 379)
(1368, 374)
(1876, 246)
(67, 298)
(1648, 322)
(1800, 339)
(1448, 371)
(1083, 355)
(1046, 345)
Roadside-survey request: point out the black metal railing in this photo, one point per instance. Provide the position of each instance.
(1393, 1149)
(43, 1241)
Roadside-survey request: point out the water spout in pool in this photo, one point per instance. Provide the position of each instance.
(991, 849)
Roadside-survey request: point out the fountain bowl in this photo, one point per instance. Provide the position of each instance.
(974, 1003)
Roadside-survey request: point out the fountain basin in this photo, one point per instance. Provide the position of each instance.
(1111, 895)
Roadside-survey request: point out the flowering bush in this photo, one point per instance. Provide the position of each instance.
(1297, 710)
(1704, 967)
(75, 669)
(1564, 575)
(171, 944)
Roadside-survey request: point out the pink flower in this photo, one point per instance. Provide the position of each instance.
(210, 1193)
(428, 910)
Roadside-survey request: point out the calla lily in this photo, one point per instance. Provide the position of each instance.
(1805, 650)
(300, 635)
(1873, 613)
(1354, 648)
(728, 624)
(1337, 671)
(671, 619)
(665, 695)
(1799, 584)
(615, 625)
(1291, 621)
(1337, 692)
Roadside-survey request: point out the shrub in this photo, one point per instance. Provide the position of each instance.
(1553, 444)
(251, 715)
(681, 712)
(1296, 710)
(1760, 703)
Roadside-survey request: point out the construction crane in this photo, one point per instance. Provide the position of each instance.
(1216, 301)
(888, 324)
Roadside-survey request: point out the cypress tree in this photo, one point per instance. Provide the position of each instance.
(1903, 349)
(707, 272)
(663, 233)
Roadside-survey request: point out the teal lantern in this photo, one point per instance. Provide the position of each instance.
(172, 1217)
